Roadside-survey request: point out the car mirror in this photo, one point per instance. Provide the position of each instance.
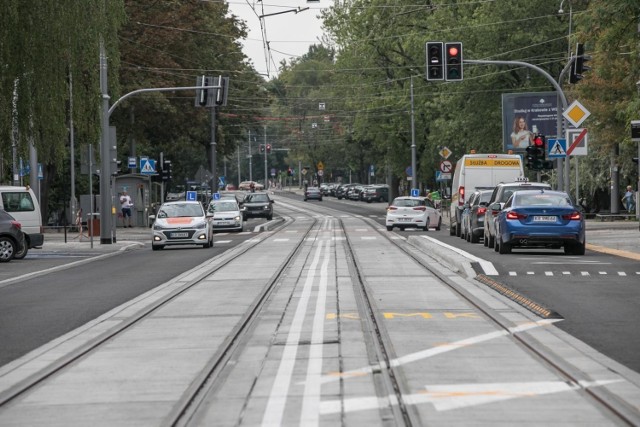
(496, 206)
(209, 214)
(484, 204)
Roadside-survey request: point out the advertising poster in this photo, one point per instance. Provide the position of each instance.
(524, 114)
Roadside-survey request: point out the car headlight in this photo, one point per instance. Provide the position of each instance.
(266, 208)
(157, 226)
(237, 218)
(200, 226)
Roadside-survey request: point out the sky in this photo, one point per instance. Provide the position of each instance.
(289, 34)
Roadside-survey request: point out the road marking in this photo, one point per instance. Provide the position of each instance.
(548, 273)
(487, 266)
(513, 273)
(367, 237)
(622, 273)
(280, 389)
(584, 273)
(438, 350)
(604, 273)
(280, 240)
(456, 396)
(217, 242)
(566, 272)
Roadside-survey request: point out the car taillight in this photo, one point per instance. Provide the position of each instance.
(575, 215)
(17, 224)
(481, 211)
(392, 208)
(516, 215)
(461, 198)
(420, 208)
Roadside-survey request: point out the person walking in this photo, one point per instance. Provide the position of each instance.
(126, 204)
(628, 200)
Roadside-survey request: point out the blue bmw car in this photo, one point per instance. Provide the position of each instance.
(540, 218)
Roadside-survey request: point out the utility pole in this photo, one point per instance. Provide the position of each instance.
(265, 157)
(250, 159)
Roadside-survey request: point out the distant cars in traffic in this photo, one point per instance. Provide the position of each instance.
(413, 212)
(227, 215)
(257, 205)
(247, 186)
(375, 193)
(312, 193)
(473, 216)
(12, 239)
(539, 218)
(182, 223)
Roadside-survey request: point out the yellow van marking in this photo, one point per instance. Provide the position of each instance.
(492, 162)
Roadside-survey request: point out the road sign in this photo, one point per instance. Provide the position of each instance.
(635, 130)
(147, 166)
(320, 172)
(557, 148)
(440, 176)
(577, 142)
(576, 113)
(216, 196)
(132, 163)
(192, 196)
(40, 173)
(415, 192)
(446, 166)
(320, 166)
(445, 152)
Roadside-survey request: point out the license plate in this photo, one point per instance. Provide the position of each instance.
(544, 218)
(178, 235)
(404, 219)
(225, 222)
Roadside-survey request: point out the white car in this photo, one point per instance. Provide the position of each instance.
(182, 223)
(413, 212)
(227, 214)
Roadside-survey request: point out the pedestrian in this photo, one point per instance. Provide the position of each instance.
(629, 200)
(126, 205)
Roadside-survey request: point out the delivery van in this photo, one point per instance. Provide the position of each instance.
(477, 172)
(21, 203)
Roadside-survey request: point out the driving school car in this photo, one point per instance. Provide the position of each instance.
(182, 223)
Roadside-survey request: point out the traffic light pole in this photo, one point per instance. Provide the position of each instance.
(563, 176)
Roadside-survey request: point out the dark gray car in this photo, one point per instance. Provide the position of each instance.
(12, 243)
(257, 205)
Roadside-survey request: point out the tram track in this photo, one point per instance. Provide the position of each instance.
(619, 409)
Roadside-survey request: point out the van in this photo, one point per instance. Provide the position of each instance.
(476, 172)
(21, 203)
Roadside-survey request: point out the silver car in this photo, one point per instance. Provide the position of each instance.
(226, 215)
(182, 223)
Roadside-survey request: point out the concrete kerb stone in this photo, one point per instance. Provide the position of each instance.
(449, 258)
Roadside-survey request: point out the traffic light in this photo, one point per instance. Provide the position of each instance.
(435, 61)
(537, 154)
(268, 148)
(578, 67)
(202, 95)
(453, 61)
(166, 170)
(261, 149)
(221, 93)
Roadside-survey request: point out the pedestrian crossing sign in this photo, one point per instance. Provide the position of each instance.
(147, 166)
(557, 148)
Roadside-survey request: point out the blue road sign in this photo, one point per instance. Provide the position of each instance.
(132, 163)
(147, 166)
(216, 196)
(415, 192)
(556, 148)
(192, 196)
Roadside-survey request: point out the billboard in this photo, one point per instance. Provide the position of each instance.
(524, 114)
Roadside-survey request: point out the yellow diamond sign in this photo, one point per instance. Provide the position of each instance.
(576, 113)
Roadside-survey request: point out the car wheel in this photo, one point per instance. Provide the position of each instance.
(389, 227)
(439, 226)
(492, 241)
(504, 248)
(495, 245)
(473, 238)
(458, 229)
(157, 247)
(320, 199)
(21, 253)
(7, 249)
(270, 217)
(574, 248)
(426, 227)
(452, 230)
(468, 236)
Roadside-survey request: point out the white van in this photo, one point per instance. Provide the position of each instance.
(21, 203)
(479, 171)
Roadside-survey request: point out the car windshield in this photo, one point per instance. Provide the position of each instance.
(223, 207)
(257, 198)
(180, 210)
(408, 203)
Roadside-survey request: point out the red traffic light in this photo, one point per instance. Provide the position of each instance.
(453, 51)
(538, 141)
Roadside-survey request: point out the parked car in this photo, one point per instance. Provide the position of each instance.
(501, 194)
(182, 223)
(227, 214)
(473, 215)
(539, 218)
(376, 193)
(12, 240)
(313, 193)
(257, 205)
(22, 204)
(341, 192)
(354, 192)
(413, 212)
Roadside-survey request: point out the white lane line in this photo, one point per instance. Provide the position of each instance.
(513, 273)
(566, 273)
(280, 389)
(457, 396)
(621, 273)
(435, 351)
(548, 273)
(280, 240)
(310, 415)
(487, 266)
(367, 237)
(584, 273)
(217, 242)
